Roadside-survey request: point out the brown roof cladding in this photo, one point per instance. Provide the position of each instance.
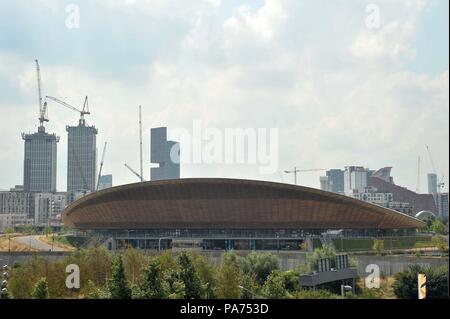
(227, 203)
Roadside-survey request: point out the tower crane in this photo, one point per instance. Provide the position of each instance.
(140, 144)
(297, 171)
(83, 112)
(135, 173)
(43, 116)
(101, 166)
(440, 184)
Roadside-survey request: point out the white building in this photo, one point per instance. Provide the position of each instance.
(371, 195)
(325, 184)
(355, 178)
(15, 208)
(48, 208)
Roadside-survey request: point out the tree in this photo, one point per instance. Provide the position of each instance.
(189, 276)
(438, 226)
(378, 246)
(118, 285)
(207, 272)
(228, 281)
(41, 289)
(262, 265)
(9, 230)
(291, 280)
(274, 286)
(152, 286)
(406, 285)
(175, 286)
(133, 261)
(252, 289)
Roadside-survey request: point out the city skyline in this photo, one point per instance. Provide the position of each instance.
(377, 108)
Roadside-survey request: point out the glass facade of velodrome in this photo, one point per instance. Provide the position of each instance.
(228, 212)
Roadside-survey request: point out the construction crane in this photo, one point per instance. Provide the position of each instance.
(141, 178)
(83, 112)
(440, 184)
(43, 116)
(418, 176)
(297, 171)
(101, 166)
(140, 143)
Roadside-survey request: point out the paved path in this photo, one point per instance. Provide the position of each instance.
(36, 243)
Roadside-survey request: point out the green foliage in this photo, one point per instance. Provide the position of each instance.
(438, 226)
(252, 289)
(189, 276)
(152, 285)
(229, 279)
(8, 230)
(207, 273)
(439, 243)
(175, 286)
(96, 292)
(406, 283)
(262, 265)
(41, 289)
(324, 252)
(314, 294)
(378, 246)
(133, 260)
(274, 287)
(291, 280)
(94, 263)
(20, 284)
(118, 284)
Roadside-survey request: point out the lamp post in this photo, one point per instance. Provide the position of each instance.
(345, 288)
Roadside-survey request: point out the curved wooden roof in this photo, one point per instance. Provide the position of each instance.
(227, 204)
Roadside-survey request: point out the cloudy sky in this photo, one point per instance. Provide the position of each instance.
(340, 89)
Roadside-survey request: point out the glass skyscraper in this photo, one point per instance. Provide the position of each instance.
(81, 158)
(39, 174)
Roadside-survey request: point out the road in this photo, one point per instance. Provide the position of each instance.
(36, 243)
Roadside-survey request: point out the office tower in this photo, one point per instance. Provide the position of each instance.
(40, 161)
(442, 203)
(355, 178)
(336, 180)
(432, 183)
(81, 158)
(165, 153)
(105, 181)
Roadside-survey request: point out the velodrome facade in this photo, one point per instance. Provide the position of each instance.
(227, 213)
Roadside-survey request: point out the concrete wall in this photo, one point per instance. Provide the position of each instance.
(21, 257)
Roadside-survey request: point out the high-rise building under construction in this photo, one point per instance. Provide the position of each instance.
(39, 174)
(81, 158)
